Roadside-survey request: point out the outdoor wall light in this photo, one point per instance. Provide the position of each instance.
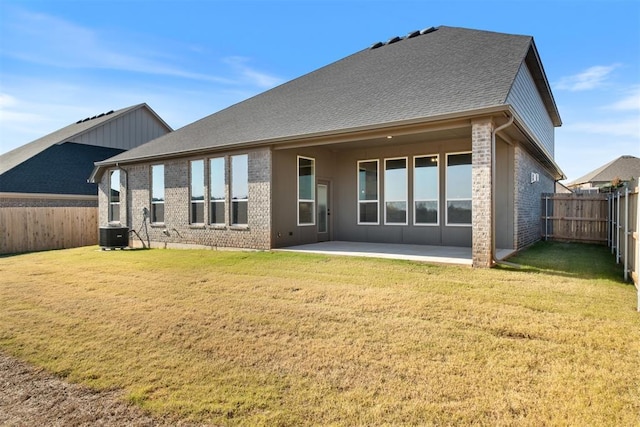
(535, 177)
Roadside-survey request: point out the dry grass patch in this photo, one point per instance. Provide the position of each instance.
(291, 339)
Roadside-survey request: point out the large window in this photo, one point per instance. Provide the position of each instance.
(157, 193)
(395, 191)
(306, 191)
(239, 189)
(216, 191)
(425, 190)
(459, 189)
(114, 196)
(197, 192)
(368, 192)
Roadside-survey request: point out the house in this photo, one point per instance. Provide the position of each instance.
(617, 172)
(53, 170)
(442, 137)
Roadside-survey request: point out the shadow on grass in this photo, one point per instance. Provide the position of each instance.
(570, 260)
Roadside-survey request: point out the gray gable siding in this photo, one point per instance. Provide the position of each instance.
(125, 132)
(527, 102)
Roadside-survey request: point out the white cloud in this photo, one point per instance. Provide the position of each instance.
(47, 40)
(626, 127)
(591, 78)
(631, 102)
(253, 76)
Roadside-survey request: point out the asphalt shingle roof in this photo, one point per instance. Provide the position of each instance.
(59, 169)
(450, 70)
(624, 167)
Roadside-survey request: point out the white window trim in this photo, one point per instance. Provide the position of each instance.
(153, 202)
(437, 199)
(109, 219)
(224, 183)
(377, 201)
(406, 191)
(313, 192)
(446, 197)
(191, 201)
(232, 201)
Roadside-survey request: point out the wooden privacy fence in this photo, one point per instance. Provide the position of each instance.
(612, 219)
(624, 237)
(575, 217)
(26, 229)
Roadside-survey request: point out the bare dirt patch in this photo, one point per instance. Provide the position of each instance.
(31, 396)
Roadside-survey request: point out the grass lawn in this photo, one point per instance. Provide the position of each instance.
(261, 338)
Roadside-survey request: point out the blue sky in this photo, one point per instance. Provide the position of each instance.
(61, 61)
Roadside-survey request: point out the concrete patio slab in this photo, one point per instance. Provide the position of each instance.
(433, 254)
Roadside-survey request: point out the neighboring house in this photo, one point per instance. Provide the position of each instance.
(53, 170)
(392, 144)
(617, 172)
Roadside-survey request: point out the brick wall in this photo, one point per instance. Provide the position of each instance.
(528, 197)
(481, 191)
(176, 231)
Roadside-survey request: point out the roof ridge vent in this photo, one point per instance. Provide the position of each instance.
(428, 30)
(376, 45)
(413, 34)
(97, 116)
(394, 40)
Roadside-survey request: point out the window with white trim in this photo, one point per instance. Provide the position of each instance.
(239, 189)
(368, 192)
(306, 191)
(216, 191)
(196, 215)
(395, 191)
(459, 184)
(425, 190)
(114, 196)
(157, 194)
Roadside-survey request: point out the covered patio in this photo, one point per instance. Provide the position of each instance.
(433, 254)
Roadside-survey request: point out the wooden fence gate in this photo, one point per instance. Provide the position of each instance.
(575, 217)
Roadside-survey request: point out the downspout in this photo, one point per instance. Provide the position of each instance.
(493, 191)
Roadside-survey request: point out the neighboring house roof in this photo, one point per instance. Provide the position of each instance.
(71, 133)
(437, 73)
(624, 167)
(59, 169)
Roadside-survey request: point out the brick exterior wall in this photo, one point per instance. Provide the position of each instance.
(528, 197)
(481, 193)
(176, 231)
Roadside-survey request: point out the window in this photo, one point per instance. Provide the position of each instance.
(395, 191)
(239, 189)
(306, 191)
(368, 190)
(216, 191)
(425, 190)
(459, 189)
(157, 193)
(114, 196)
(197, 192)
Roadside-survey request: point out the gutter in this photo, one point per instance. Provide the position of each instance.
(493, 188)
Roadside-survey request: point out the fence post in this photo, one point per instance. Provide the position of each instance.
(618, 227)
(546, 218)
(625, 234)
